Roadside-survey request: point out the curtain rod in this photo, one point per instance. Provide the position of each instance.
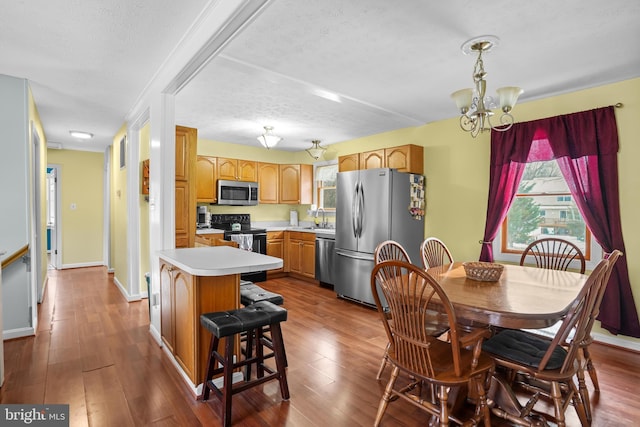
(618, 105)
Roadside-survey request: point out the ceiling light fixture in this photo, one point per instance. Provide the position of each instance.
(475, 107)
(80, 134)
(268, 139)
(316, 151)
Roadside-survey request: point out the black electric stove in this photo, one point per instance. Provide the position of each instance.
(241, 224)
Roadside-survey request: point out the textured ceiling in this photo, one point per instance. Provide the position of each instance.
(329, 70)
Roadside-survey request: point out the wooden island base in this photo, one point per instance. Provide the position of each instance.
(194, 281)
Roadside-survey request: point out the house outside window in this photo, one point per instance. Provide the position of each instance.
(543, 207)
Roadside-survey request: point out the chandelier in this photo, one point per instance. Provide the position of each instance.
(268, 139)
(475, 107)
(316, 151)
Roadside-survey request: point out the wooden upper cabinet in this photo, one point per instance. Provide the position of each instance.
(348, 163)
(306, 184)
(372, 159)
(227, 169)
(296, 184)
(185, 186)
(268, 178)
(290, 184)
(237, 170)
(406, 158)
(206, 190)
(247, 170)
(185, 137)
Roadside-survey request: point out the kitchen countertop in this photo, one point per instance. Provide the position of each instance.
(209, 231)
(326, 231)
(219, 260)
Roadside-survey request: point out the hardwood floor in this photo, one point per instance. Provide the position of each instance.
(93, 351)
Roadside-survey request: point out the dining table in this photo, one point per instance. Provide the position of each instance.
(522, 298)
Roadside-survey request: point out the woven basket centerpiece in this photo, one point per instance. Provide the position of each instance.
(483, 271)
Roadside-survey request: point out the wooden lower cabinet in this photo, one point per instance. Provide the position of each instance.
(183, 216)
(183, 297)
(202, 240)
(275, 248)
(301, 254)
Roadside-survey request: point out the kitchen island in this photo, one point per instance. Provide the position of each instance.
(195, 281)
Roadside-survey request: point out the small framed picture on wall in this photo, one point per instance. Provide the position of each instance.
(123, 152)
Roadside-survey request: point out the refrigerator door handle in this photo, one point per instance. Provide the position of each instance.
(360, 209)
(354, 211)
(354, 255)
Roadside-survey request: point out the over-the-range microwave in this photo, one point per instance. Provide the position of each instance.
(237, 193)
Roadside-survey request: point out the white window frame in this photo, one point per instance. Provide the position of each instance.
(508, 257)
(315, 184)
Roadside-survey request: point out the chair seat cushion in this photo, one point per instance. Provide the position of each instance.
(524, 348)
(254, 316)
(251, 293)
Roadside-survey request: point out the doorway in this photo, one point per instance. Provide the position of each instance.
(53, 217)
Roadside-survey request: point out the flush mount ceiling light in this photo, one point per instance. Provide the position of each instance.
(475, 107)
(80, 134)
(316, 151)
(268, 139)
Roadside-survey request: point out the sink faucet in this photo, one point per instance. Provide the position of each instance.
(323, 224)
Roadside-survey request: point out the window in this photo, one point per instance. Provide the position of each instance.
(543, 207)
(325, 177)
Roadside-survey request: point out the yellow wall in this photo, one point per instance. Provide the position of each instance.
(81, 175)
(119, 261)
(145, 140)
(457, 169)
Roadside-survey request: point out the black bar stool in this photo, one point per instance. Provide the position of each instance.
(227, 324)
(250, 293)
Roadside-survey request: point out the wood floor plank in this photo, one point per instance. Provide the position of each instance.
(93, 351)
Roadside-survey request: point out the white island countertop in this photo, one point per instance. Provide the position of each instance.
(219, 260)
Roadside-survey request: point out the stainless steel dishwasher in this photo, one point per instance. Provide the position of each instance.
(325, 250)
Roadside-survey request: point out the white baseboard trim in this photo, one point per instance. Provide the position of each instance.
(155, 334)
(18, 333)
(125, 293)
(83, 264)
(194, 389)
(615, 341)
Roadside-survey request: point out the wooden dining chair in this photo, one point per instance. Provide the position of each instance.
(546, 367)
(409, 291)
(390, 250)
(587, 363)
(554, 254)
(435, 253)
(387, 251)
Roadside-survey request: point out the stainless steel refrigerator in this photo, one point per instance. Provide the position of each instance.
(372, 206)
